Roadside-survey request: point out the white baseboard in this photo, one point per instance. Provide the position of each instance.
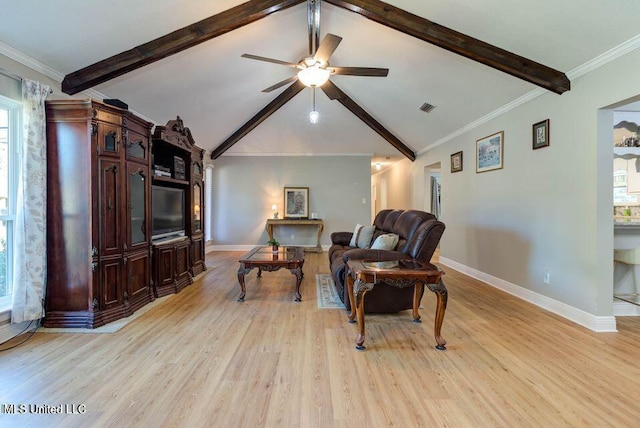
(211, 248)
(8, 330)
(625, 309)
(230, 248)
(599, 324)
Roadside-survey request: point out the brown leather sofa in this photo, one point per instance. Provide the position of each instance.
(419, 234)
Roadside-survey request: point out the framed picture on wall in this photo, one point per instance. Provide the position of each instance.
(489, 152)
(541, 134)
(456, 162)
(296, 202)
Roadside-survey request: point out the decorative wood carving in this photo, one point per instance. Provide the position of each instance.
(176, 133)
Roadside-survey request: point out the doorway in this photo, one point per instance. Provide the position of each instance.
(433, 189)
(626, 207)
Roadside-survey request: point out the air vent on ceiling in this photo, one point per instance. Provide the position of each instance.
(426, 107)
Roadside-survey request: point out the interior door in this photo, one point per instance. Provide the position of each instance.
(111, 199)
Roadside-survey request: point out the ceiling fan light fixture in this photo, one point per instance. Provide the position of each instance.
(314, 76)
(314, 116)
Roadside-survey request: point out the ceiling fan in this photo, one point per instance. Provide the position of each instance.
(315, 70)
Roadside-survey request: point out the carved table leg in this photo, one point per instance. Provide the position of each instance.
(318, 246)
(242, 271)
(441, 293)
(259, 272)
(360, 289)
(298, 273)
(418, 291)
(352, 300)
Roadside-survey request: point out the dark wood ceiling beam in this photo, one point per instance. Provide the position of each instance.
(335, 93)
(172, 43)
(260, 117)
(459, 43)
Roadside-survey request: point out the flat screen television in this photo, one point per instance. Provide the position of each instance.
(167, 211)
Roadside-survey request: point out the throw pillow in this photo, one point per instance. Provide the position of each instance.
(388, 241)
(354, 237)
(362, 236)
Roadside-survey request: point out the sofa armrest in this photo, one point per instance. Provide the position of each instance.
(341, 238)
(373, 255)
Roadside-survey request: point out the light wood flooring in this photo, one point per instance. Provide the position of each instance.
(201, 359)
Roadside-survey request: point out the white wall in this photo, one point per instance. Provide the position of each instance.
(245, 187)
(549, 208)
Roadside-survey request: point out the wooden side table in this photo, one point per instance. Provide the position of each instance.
(364, 275)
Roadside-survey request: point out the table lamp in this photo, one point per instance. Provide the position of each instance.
(274, 208)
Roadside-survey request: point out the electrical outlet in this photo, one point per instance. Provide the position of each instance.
(547, 276)
(364, 201)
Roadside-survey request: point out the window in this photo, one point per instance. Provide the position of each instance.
(9, 162)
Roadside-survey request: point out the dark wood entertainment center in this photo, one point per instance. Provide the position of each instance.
(102, 261)
(178, 259)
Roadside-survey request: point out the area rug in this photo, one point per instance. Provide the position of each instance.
(112, 327)
(327, 294)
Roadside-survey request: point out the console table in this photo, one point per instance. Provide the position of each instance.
(364, 275)
(297, 222)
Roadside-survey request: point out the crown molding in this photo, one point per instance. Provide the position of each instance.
(593, 64)
(42, 68)
(486, 118)
(605, 58)
(30, 62)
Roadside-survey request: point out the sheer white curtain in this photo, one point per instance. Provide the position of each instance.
(30, 234)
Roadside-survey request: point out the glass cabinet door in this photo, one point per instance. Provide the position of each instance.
(197, 206)
(137, 206)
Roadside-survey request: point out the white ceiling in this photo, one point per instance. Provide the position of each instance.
(215, 91)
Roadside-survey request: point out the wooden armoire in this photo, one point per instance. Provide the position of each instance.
(98, 213)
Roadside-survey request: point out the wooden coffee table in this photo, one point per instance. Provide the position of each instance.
(264, 258)
(364, 275)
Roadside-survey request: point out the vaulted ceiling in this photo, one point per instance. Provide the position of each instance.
(216, 91)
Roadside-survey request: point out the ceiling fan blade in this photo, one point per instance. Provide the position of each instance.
(327, 47)
(360, 71)
(275, 61)
(331, 91)
(280, 84)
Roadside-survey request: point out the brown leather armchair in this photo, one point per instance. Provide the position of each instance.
(419, 234)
